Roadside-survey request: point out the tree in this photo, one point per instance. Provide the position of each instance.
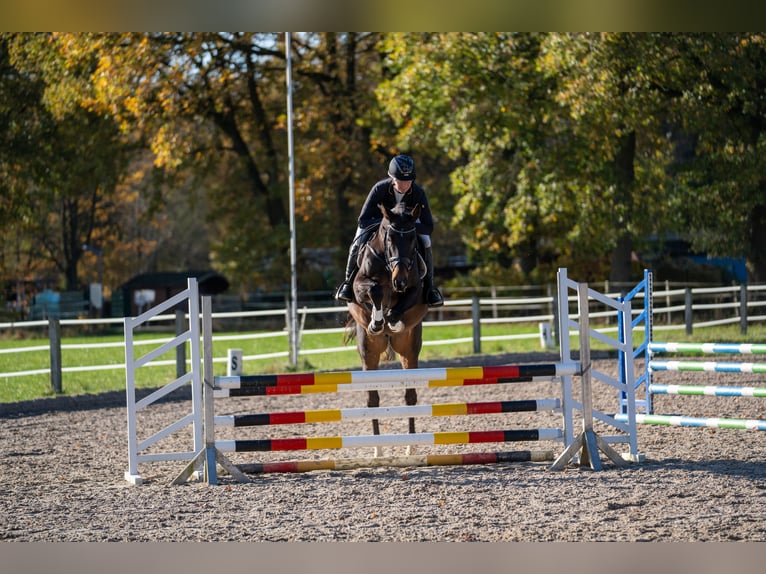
(722, 181)
(560, 139)
(469, 96)
(63, 165)
(616, 104)
(212, 108)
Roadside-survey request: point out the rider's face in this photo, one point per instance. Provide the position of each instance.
(402, 186)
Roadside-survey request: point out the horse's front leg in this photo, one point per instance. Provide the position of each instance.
(395, 315)
(377, 321)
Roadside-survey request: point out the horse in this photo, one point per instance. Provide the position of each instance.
(388, 307)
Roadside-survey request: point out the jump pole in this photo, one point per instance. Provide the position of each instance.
(370, 413)
(588, 443)
(708, 390)
(709, 348)
(399, 461)
(707, 366)
(700, 422)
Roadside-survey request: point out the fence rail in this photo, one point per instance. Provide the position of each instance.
(689, 308)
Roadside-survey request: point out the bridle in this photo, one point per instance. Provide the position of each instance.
(392, 262)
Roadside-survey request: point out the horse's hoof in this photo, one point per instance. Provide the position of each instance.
(397, 327)
(378, 451)
(375, 328)
(410, 450)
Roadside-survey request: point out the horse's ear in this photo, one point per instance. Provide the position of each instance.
(416, 211)
(384, 211)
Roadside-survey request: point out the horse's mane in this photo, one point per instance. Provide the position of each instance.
(400, 211)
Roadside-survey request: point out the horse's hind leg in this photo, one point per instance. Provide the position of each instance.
(411, 399)
(408, 353)
(370, 349)
(373, 401)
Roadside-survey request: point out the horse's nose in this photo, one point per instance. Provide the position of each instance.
(399, 281)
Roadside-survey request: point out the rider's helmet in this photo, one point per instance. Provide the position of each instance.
(402, 167)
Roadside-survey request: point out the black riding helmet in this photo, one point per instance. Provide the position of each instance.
(402, 167)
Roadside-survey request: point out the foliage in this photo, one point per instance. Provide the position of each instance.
(64, 171)
(724, 117)
(538, 150)
(559, 137)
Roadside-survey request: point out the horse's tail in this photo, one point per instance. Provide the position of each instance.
(350, 332)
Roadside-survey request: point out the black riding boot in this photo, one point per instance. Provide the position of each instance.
(346, 290)
(433, 296)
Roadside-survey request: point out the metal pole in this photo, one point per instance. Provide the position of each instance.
(294, 280)
(476, 315)
(99, 260)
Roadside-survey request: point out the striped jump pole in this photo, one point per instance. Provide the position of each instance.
(709, 348)
(707, 366)
(431, 438)
(408, 376)
(250, 390)
(399, 461)
(698, 422)
(352, 381)
(439, 410)
(708, 390)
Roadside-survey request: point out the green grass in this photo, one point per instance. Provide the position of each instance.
(14, 389)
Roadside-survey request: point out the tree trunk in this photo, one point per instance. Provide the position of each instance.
(757, 251)
(625, 177)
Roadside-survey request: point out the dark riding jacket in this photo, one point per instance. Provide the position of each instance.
(382, 193)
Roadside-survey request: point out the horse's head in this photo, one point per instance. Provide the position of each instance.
(400, 238)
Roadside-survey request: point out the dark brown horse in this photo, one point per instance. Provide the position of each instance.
(388, 307)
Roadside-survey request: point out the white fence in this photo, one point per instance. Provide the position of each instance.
(688, 308)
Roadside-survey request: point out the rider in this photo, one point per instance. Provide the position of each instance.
(397, 188)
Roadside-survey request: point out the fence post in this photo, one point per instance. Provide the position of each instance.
(688, 311)
(54, 334)
(180, 349)
(476, 316)
(743, 309)
(552, 304)
(669, 318)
